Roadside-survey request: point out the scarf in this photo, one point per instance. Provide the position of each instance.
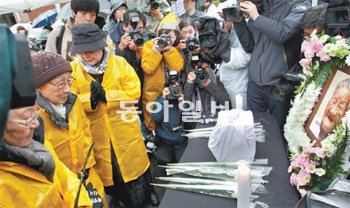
(35, 155)
(97, 69)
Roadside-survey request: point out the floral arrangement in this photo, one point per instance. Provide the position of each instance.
(315, 167)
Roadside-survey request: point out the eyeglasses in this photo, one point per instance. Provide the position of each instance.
(62, 84)
(30, 121)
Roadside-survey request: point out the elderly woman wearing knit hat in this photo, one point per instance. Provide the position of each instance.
(65, 123)
(155, 60)
(108, 88)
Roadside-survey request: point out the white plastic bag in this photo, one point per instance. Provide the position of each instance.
(233, 137)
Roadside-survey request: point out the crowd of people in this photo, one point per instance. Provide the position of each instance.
(109, 96)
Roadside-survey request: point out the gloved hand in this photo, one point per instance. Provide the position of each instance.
(97, 94)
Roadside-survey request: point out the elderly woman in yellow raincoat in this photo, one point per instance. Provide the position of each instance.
(154, 60)
(65, 123)
(107, 85)
(31, 175)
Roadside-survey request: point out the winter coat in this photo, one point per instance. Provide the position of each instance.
(66, 40)
(115, 31)
(165, 127)
(278, 23)
(153, 64)
(234, 74)
(72, 143)
(22, 186)
(120, 83)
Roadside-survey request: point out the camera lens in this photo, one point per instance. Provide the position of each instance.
(139, 42)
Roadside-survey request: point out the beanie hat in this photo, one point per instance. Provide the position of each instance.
(47, 66)
(85, 5)
(87, 37)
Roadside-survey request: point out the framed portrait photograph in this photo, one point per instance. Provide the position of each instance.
(331, 107)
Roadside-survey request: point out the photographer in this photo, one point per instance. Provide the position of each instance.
(154, 11)
(234, 73)
(60, 39)
(170, 143)
(270, 32)
(114, 25)
(190, 9)
(202, 88)
(158, 54)
(131, 44)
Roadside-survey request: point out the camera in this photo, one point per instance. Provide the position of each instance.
(201, 76)
(163, 41)
(191, 43)
(233, 13)
(135, 35)
(174, 88)
(206, 27)
(150, 143)
(154, 4)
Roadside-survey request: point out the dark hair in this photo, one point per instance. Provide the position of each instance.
(167, 31)
(22, 28)
(186, 22)
(126, 19)
(85, 5)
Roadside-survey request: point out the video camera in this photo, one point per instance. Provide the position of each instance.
(338, 17)
(233, 13)
(154, 4)
(135, 35)
(163, 41)
(206, 33)
(174, 87)
(201, 76)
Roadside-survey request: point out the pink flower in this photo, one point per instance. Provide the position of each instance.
(293, 179)
(323, 56)
(305, 46)
(316, 46)
(302, 192)
(319, 152)
(309, 54)
(305, 62)
(310, 168)
(303, 178)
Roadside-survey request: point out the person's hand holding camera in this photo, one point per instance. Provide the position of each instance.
(191, 77)
(181, 98)
(166, 92)
(182, 44)
(250, 9)
(124, 42)
(167, 48)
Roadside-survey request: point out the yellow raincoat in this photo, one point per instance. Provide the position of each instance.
(120, 83)
(72, 144)
(153, 65)
(22, 186)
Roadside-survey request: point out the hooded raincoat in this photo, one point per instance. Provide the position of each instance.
(23, 186)
(108, 128)
(71, 139)
(153, 64)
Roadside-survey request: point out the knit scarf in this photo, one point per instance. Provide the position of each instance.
(97, 69)
(35, 155)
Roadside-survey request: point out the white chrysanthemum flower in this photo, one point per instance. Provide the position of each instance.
(324, 38)
(347, 60)
(320, 172)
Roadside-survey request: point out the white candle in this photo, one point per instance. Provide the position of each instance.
(244, 186)
(239, 102)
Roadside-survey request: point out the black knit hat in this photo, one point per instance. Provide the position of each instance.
(87, 37)
(85, 5)
(47, 66)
